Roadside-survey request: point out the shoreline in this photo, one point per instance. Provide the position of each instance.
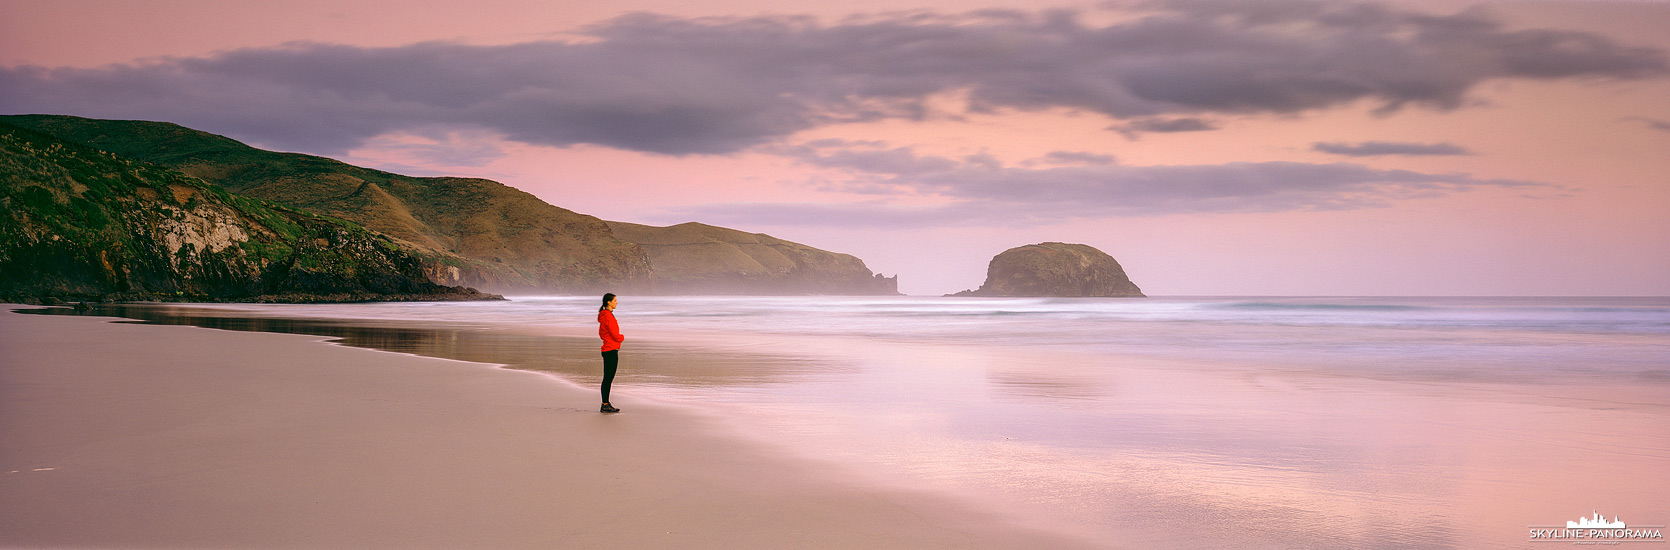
(1113, 450)
(122, 434)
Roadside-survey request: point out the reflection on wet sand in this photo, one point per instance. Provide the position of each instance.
(1400, 448)
(1026, 386)
(575, 359)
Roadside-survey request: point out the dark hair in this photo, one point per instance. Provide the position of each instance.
(606, 297)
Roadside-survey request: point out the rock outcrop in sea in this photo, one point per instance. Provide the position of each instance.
(1057, 270)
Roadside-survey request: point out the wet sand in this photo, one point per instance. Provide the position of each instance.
(1119, 450)
(142, 436)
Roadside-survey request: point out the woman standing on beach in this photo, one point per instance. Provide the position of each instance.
(609, 331)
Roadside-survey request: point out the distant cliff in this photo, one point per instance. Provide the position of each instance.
(78, 223)
(479, 232)
(1054, 269)
(694, 258)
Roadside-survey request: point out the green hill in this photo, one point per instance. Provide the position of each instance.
(482, 233)
(82, 223)
(474, 232)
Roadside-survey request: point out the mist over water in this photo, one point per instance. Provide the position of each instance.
(1148, 423)
(1483, 338)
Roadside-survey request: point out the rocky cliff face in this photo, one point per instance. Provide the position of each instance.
(81, 223)
(693, 258)
(1054, 269)
(482, 233)
(466, 231)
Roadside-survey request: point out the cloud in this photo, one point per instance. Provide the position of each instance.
(1163, 125)
(1377, 148)
(441, 148)
(1074, 157)
(721, 85)
(979, 191)
(860, 214)
(1656, 124)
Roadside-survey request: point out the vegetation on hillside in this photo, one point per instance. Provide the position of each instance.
(469, 231)
(703, 259)
(83, 223)
(480, 232)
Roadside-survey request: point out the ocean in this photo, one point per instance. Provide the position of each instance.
(1187, 422)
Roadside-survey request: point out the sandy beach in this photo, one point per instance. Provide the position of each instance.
(834, 422)
(120, 435)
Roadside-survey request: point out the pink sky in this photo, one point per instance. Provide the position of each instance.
(1546, 174)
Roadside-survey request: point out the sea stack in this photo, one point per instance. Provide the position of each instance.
(1056, 270)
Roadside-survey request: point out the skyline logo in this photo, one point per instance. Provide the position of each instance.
(1596, 529)
(1599, 522)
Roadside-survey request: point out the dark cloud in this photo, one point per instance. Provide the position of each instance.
(976, 191)
(1377, 148)
(1162, 125)
(1656, 124)
(1075, 157)
(720, 85)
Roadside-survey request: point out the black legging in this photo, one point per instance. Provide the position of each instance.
(610, 359)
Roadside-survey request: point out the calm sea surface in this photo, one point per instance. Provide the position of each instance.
(1142, 423)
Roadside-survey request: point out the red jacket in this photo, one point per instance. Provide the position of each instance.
(609, 330)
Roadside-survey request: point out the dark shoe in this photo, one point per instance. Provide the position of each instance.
(609, 408)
